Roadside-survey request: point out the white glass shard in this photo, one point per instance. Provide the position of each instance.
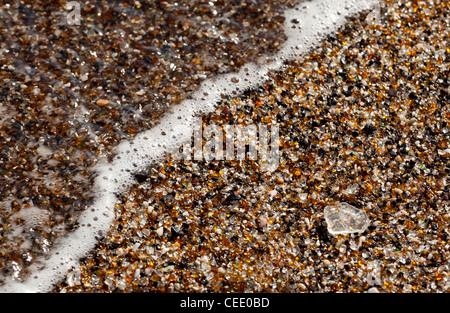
(343, 218)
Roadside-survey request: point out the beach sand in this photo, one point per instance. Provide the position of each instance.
(363, 119)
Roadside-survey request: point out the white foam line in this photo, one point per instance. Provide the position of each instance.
(315, 20)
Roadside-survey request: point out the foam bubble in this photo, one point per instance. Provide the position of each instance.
(313, 21)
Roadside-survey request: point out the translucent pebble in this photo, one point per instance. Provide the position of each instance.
(342, 218)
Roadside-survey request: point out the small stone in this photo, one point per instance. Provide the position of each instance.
(369, 129)
(232, 198)
(398, 191)
(262, 222)
(303, 197)
(392, 92)
(150, 209)
(168, 269)
(352, 189)
(36, 91)
(342, 218)
(121, 284)
(444, 153)
(160, 231)
(102, 102)
(273, 193)
(373, 290)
